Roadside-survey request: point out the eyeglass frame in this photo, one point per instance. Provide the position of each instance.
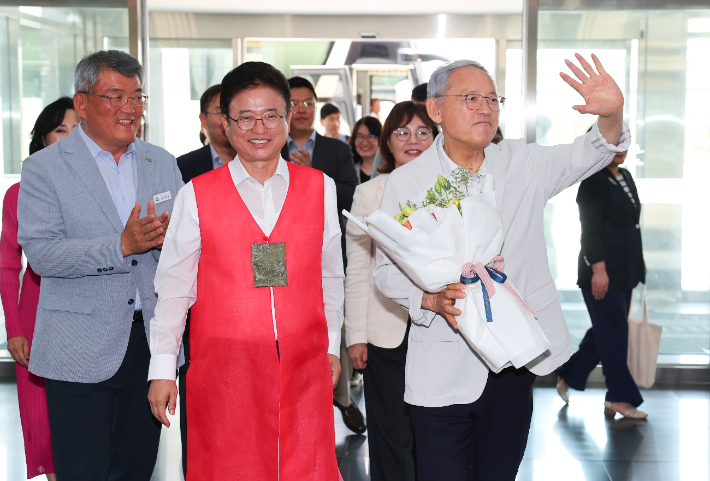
(214, 112)
(302, 104)
(111, 99)
(362, 138)
(410, 132)
(256, 120)
(501, 100)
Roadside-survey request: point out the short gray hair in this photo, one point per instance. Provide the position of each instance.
(439, 80)
(86, 74)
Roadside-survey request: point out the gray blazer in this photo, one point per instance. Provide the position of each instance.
(70, 231)
(441, 368)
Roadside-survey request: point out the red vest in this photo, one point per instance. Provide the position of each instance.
(250, 416)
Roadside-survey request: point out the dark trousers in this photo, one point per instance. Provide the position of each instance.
(105, 431)
(182, 383)
(606, 341)
(390, 433)
(481, 441)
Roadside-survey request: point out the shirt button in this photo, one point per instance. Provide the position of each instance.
(130, 301)
(637, 226)
(134, 262)
(271, 225)
(267, 196)
(123, 198)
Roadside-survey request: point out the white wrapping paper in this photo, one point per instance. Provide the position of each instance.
(432, 255)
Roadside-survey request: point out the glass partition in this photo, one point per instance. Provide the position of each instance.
(659, 59)
(180, 71)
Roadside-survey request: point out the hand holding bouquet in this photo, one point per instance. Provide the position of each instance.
(454, 235)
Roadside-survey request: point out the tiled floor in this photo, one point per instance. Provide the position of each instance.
(566, 443)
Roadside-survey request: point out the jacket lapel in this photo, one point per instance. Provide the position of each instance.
(497, 162)
(77, 155)
(146, 170)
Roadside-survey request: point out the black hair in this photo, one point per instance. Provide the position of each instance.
(419, 93)
(297, 82)
(373, 126)
(328, 109)
(251, 75)
(49, 119)
(207, 97)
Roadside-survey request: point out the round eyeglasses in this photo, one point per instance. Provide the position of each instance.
(403, 134)
(121, 100)
(474, 101)
(271, 120)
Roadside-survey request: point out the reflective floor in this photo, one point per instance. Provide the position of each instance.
(566, 443)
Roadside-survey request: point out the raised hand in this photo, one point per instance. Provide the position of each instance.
(600, 93)
(141, 235)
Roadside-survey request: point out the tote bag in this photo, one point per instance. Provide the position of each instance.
(644, 339)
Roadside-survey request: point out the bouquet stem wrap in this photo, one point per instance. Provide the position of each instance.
(445, 246)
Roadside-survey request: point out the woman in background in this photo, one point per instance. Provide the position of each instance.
(610, 266)
(376, 328)
(55, 122)
(365, 141)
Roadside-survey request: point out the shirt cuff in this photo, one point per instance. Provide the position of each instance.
(418, 315)
(334, 343)
(162, 366)
(600, 143)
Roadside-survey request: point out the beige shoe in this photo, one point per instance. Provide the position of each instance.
(631, 413)
(563, 389)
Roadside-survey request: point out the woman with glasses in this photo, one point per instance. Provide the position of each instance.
(376, 328)
(55, 122)
(365, 141)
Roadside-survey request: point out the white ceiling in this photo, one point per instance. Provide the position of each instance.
(340, 7)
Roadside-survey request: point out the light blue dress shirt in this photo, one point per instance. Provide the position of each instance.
(121, 181)
(308, 146)
(217, 161)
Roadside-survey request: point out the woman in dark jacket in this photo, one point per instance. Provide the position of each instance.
(610, 266)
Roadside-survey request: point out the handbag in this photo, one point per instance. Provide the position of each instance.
(644, 340)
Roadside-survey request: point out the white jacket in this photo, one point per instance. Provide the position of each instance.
(369, 315)
(441, 368)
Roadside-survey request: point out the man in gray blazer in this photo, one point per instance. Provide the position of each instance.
(88, 225)
(469, 422)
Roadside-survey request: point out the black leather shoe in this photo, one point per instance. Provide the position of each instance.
(352, 417)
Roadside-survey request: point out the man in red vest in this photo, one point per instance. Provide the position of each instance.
(254, 249)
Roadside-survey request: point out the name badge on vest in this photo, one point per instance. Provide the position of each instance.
(268, 262)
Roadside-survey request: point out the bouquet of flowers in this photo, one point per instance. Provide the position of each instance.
(451, 235)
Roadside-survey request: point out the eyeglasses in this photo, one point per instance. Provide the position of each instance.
(121, 100)
(270, 120)
(363, 138)
(306, 105)
(216, 112)
(403, 134)
(474, 102)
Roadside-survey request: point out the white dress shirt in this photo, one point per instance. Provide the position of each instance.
(176, 277)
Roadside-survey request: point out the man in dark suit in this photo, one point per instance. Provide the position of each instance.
(307, 147)
(334, 158)
(217, 153)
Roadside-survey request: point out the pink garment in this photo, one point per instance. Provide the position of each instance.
(20, 312)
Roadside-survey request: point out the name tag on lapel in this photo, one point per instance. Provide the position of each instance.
(158, 198)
